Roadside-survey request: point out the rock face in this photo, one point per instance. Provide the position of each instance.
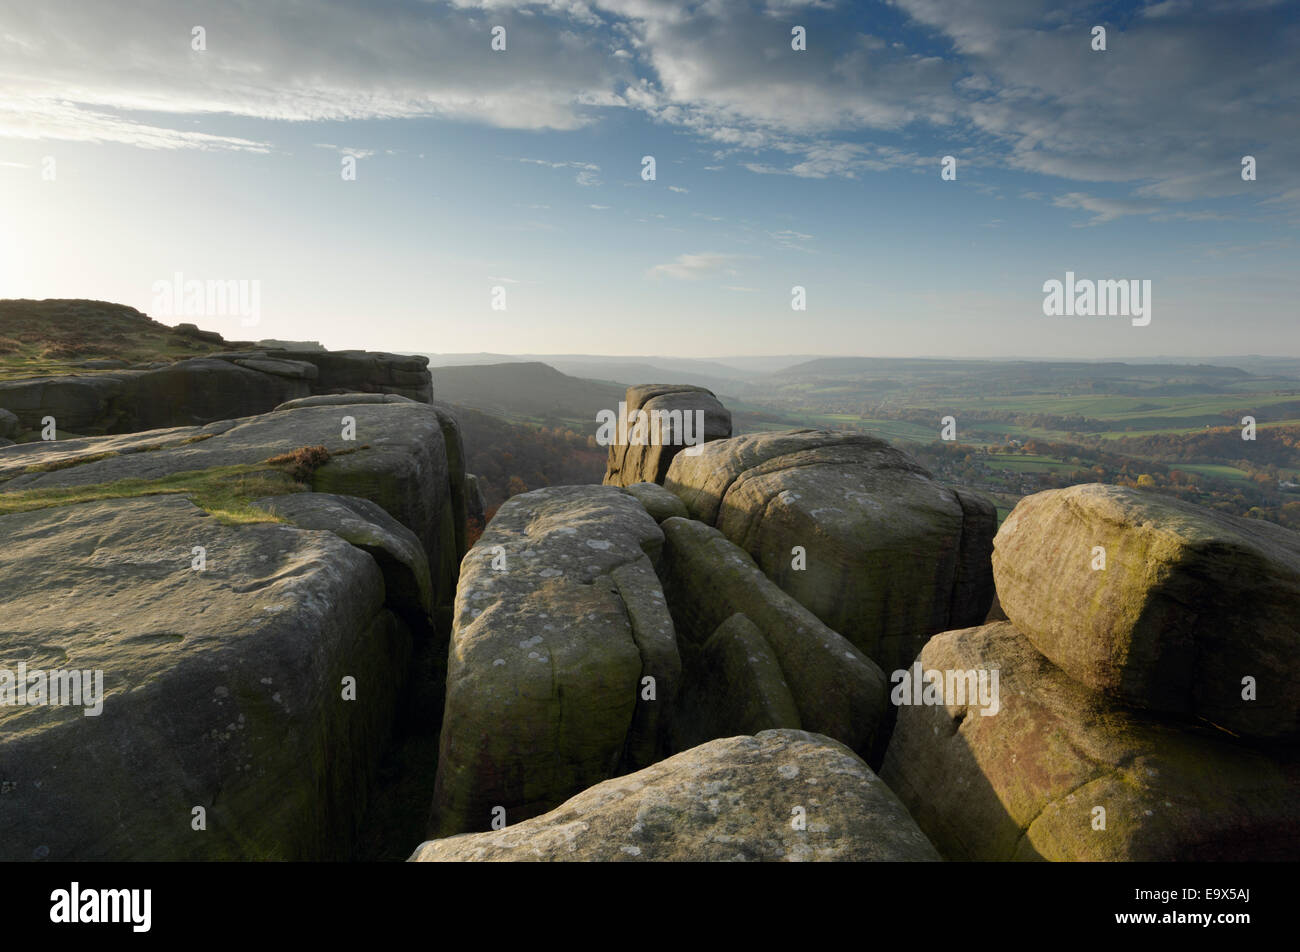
(223, 687)
(1026, 782)
(756, 790)
(559, 620)
(475, 505)
(669, 413)
(1189, 603)
(206, 389)
(837, 690)
(9, 425)
(736, 687)
(889, 556)
(404, 458)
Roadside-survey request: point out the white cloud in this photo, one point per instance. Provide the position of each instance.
(696, 266)
(1104, 209)
(355, 153)
(588, 172)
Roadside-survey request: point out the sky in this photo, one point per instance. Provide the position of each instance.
(501, 201)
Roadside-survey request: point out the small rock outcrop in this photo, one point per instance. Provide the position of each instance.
(852, 528)
(659, 419)
(783, 795)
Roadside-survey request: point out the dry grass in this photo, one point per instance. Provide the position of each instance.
(301, 463)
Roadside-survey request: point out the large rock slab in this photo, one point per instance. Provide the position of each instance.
(399, 459)
(852, 528)
(838, 690)
(1190, 602)
(1025, 783)
(559, 619)
(670, 413)
(223, 686)
(784, 795)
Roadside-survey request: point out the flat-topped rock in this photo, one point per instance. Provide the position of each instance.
(1189, 604)
(400, 459)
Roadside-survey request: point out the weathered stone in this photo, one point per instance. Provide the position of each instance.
(395, 548)
(206, 389)
(296, 369)
(404, 465)
(666, 407)
(1025, 783)
(475, 505)
(739, 798)
(549, 646)
(659, 502)
(9, 425)
(343, 399)
(736, 688)
(838, 690)
(1190, 602)
(223, 685)
(852, 528)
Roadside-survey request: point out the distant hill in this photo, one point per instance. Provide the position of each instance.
(635, 373)
(718, 376)
(860, 365)
(526, 392)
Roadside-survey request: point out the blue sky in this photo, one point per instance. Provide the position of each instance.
(521, 170)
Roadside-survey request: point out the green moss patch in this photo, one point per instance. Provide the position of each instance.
(223, 491)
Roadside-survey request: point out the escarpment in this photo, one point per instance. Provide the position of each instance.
(200, 390)
(747, 651)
